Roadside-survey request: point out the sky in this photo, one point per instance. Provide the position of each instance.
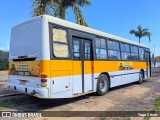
(115, 17)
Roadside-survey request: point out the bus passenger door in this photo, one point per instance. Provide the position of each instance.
(87, 65)
(148, 62)
(82, 65)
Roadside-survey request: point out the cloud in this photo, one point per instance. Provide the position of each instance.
(7, 48)
(1, 48)
(4, 48)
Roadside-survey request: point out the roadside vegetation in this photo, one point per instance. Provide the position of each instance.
(157, 105)
(117, 118)
(3, 60)
(3, 66)
(10, 103)
(4, 105)
(156, 108)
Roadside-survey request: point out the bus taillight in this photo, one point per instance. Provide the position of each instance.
(43, 76)
(43, 80)
(43, 84)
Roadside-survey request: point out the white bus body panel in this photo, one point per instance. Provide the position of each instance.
(31, 39)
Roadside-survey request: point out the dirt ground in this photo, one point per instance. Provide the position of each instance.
(131, 97)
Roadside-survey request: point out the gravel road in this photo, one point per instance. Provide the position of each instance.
(131, 97)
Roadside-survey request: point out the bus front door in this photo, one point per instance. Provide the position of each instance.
(82, 65)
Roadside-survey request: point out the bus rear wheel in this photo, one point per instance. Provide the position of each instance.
(102, 85)
(141, 77)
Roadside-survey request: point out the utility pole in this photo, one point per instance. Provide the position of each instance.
(154, 50)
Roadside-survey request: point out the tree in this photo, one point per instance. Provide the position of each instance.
(3, 60)
(58, 8)
(141, 33)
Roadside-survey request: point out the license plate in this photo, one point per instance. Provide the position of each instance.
(22, 82)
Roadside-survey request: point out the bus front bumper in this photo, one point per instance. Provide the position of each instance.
(37, 92)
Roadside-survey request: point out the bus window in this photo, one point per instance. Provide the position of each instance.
(60, 45)
(60, 50)
(87, 51)
(122, 47)
(113, 50)
(141, 54)
(110, 44)
(59, 35)
(125, 51)
(116, 46)
(127, 48)
(134, 53)
(76, 49)
(101, 52)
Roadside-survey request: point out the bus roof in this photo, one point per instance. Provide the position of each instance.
(83, 29)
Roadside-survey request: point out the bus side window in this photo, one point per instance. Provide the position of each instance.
(134, 53)
(101, 52)
(141, 54)
(125, 51)
(113, 50)
(60, 43)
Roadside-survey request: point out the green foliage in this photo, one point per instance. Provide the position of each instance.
(141, 33)
(58, 8)
(115, 118)
(103, 118)
(4, 105)
(3, 60)
(156, 107)
(3, 66)
(9, 103)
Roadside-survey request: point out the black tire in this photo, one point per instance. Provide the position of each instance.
(141, 77)
(102, 85)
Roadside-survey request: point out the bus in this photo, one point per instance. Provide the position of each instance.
(53, 58)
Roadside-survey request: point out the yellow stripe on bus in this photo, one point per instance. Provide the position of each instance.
(58, 68)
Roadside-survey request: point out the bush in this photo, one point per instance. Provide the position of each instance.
(3, 60)
(3, 66)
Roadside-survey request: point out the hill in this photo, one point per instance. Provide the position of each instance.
(3, 60)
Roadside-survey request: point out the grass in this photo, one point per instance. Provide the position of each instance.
(156, 107)
(10, 103)
(103, 118)
(4, 104)
(117, 118)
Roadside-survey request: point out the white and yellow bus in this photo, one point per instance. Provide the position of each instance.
(54, 58)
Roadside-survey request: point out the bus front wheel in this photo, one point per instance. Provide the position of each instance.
(102, 85)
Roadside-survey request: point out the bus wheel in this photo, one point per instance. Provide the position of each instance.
(102, 85)
(140, 77)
